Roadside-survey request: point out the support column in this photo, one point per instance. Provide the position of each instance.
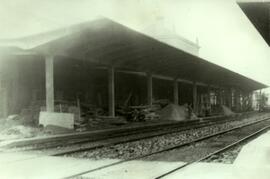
(209, 106)
(111, 92)
(240, 100)
(260, 100)
(237, 99)
(175, 92)
(244, 101)
(233, 98)
(208, 95)
(195, 97)
(229, 98)
(3, 96)
(5, 102)
(149, 89)
(250, 96)
(221, 100)
(49, 83)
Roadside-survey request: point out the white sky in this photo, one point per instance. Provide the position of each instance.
(225, 34)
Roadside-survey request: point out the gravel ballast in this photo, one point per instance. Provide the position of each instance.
(145, 146)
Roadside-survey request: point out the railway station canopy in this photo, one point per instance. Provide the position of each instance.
(104, 42)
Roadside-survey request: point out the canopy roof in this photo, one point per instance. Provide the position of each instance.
(106, 42)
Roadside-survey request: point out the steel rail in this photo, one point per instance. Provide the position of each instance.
(176, 127)
(215, 152)
(84, 138)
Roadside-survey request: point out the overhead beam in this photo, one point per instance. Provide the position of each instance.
(160, 77)
(49, 83)
(138, 53)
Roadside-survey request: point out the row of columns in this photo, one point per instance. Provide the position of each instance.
(149, 91)
(111, 88)
(49, 73)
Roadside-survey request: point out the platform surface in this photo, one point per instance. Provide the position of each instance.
(26, 166)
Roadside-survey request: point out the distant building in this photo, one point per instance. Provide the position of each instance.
(259, 98)
(164, 32)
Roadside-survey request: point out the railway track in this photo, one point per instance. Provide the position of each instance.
(248, 131)
(221, 150)
(137, 136)
(116, 137)
(225, 146)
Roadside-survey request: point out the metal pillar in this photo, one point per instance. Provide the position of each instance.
(220, 96)
(49, 83)
(111, 92)
(237, 100)
(195, 97)
(229, 98)
(208, 95)
(175, 92)
(209, 106)
(4, 101)
(3, 96)
(149, 89)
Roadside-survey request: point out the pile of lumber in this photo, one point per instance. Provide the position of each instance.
(89, 115)
(139, 113)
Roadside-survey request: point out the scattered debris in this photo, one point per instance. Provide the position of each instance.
(19, 131)
(16, 126)
(139, 113)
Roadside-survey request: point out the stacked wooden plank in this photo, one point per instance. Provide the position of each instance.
(139, 113)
